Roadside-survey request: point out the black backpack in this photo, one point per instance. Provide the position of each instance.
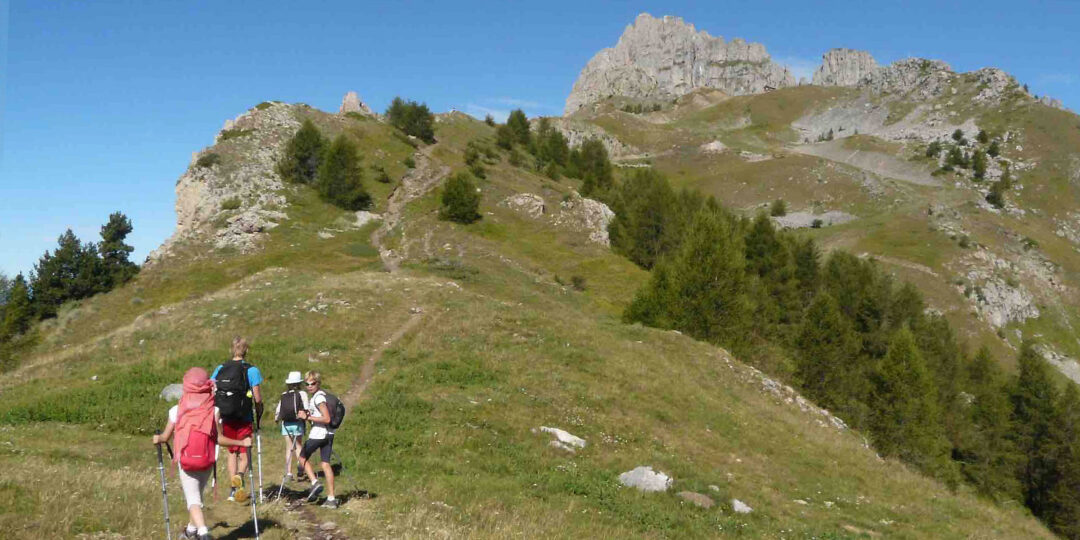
(336, 408)
(231, 397)
(290, 405)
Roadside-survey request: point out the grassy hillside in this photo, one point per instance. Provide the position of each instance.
(476, 344)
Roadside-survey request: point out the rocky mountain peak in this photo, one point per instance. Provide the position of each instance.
(844, 67)
(351, 103)
(662, 58)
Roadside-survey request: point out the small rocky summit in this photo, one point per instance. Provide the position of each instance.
(844, 67)
(351, 103)
(666, 58)
(645, 479)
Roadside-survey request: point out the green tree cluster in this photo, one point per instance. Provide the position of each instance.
(303, 153)
(339, 179)
(412, 118)
(856, 342)
(553, 157)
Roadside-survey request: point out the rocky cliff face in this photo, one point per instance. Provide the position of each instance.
(664, 58)
(844, 67)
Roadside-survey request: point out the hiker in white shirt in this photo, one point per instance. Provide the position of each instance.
(320, 438)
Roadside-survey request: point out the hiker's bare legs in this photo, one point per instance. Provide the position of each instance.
(230, 463)
(328, 474)
(309, 470)
(242, 463)
(197, 519)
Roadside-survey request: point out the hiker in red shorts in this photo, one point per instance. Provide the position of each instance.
(236, 386)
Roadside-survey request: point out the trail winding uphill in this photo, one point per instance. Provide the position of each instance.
(417, 182)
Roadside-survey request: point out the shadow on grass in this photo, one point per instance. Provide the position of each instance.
(246, 529)
(296, 497)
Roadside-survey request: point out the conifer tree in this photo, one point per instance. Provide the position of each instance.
(18, 311)
(906, 417)
(1034, 397)
(504, 137)
(827, 361)
(114, 252)
(644, 218)
(768, 258)
(340, 176)
(1063, 499)
(519, 127)
(595, 168)
(303, 152)
(987, 456)
(412, 118)
(994, 150)
(807, 268)
(71, 272)
(460, 200)
(978, 164)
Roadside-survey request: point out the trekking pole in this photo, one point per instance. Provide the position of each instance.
(251, 482)
(258, 444)
(164, 494)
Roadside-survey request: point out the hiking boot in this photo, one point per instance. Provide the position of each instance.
(300, 471)
(232, 494)
(241, 495)
(331, 503)
(237, 481)
(313, 495)
(188, 535)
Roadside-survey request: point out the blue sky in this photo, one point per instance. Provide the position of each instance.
(102, 103)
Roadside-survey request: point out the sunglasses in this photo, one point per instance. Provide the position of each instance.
(310, 383)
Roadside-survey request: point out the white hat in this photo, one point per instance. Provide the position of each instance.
(294, 378)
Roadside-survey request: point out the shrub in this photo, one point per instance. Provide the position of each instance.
(409, 162)
(965, 241)
(504, 137)
(412, 118)
(933, 149)
(263, 106)
(994, 150)
(380, 174)
(816, 224)
(978, 164)
(996, 196)
(460, 200)
(778, 208)
(958, 135)
(208, 160)
(340, 178)
(982, 137)
(516, 159)
(578, 283)
(232, 203)
(229, 134)
(489, 120)
(302, 156)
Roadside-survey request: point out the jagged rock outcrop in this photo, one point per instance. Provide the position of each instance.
(1052, 102)
(845, 67)
(574, 212)
(235, 196)
(351, 103)
(666, 57)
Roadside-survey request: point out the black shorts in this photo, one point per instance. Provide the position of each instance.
(324, 446)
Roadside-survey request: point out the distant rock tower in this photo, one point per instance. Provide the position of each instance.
(352, 103)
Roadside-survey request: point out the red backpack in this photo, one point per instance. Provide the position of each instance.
(200, 452)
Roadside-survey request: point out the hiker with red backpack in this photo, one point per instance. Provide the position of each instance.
(236, 394)
(325, 414)
(194, 423)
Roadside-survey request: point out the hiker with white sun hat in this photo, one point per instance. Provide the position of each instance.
(293, 400)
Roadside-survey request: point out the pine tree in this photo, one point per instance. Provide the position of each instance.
(114, 252)
(982, 136)
(987, 456)
(302, 156)
(460, 200)
(340, 176)
(504, 137)
(978, 164)
(906, 416)
(489, 120)
(645, 216)
(807, 268)
(594, 168)
(994, 150)
(1034, 397)
(412, 118)
(519, 127)
(1063, 501)
(18, 311)
(72, 272)
(827, 362)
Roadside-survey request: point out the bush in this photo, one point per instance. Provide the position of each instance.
(303, 153)
(578, 283)
(504, 137)
(933, 149)
(516, 159)
(228, 134)
(489, 120)
(409, 162)
(380, 174)
(958, 135)
(778, 208)
(982, 137)
(232, 203)
(994, 150)
(263, 106)
(412, 118)
(965, 242)
(208, 160)
(978, 164)
(996, 196)
(340, 178)
(460, 200)
(816, 224)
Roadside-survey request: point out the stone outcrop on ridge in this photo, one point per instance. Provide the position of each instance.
(662, 58)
